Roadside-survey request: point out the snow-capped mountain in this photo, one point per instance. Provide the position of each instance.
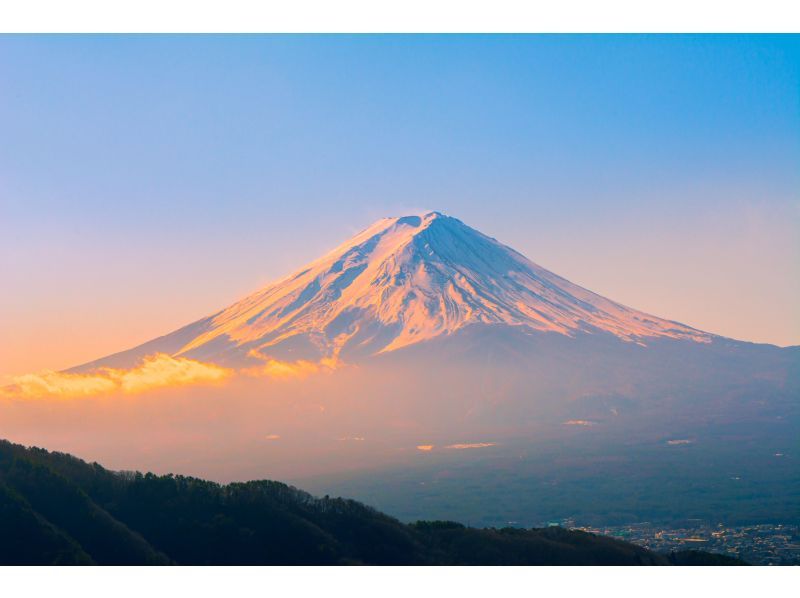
(421, 331)
(398, 283)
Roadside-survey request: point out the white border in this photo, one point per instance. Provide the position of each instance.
(395, 16)
(398, 582)
(407, 16)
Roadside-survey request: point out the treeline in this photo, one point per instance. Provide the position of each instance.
(57, 509)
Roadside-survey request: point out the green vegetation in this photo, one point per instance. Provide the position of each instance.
(57, 509)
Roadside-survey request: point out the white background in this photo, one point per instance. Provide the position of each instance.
(399, 16)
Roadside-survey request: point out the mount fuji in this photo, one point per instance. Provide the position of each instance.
(401, 282)
(422, 342)
(455, 314)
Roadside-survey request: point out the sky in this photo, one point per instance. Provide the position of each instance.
(148, 181)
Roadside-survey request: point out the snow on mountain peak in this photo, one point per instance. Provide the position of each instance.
(408, 279)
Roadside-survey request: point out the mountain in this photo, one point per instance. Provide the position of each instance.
(400, 282)
(57, 509)
(503, 343)
(421, 355)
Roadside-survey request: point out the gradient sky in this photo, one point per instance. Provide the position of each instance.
(148, 181)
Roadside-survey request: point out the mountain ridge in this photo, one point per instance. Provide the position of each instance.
(57, 509)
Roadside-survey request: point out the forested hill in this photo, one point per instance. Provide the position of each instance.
(57, 509)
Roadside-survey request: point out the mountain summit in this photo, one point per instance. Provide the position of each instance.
(400, 282)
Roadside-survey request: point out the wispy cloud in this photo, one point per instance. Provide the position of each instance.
(155, 371)
(470, 445)
(275, 368)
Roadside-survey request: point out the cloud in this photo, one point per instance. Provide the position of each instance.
(163, 370)
(425, 447)
(275, 368)
(472, 445)
(579, 422)
(49, 383)
(155, 371)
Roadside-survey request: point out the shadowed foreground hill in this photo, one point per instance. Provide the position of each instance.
(57, 509)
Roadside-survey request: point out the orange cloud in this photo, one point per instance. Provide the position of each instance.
(275, 368)
(49, 383)
(425, 447)
(155, 371)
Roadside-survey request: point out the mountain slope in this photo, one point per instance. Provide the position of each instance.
(29, 539)
(42, 506)
(199, 522)
(400, 282)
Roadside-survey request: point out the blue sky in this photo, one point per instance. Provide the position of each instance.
(163, 176)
